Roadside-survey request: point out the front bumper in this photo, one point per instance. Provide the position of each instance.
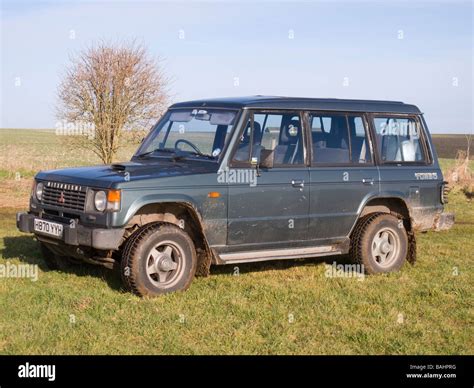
(103, 239)
(444, 221)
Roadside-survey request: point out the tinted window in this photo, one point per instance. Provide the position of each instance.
(398, 139)
(360, 148)
(276, 136)
(339, 139)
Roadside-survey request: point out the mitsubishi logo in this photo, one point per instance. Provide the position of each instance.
(61, 198)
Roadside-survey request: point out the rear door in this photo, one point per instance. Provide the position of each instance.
(343, 174)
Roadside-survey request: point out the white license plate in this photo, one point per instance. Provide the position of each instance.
(48, 227)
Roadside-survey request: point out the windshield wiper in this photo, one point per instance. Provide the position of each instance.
(176, 155)
(155, 150)
(195, 153)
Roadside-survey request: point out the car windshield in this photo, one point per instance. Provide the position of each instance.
(189, 132)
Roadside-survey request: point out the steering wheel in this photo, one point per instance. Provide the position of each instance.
(193, 146)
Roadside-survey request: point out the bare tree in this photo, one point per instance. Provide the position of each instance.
(110, 88)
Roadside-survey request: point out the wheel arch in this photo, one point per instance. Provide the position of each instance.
(386, 204)
(183, 214)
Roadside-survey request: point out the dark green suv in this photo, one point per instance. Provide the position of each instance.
(247, 179)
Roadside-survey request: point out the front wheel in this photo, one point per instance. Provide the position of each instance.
(379, 243)
(158, 258)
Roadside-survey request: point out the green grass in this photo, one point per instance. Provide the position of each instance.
(249, 313)
(286, 307)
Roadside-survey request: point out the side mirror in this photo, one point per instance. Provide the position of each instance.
(255, 160)
(262, 158)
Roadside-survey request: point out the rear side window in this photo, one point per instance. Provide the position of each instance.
(339, 139)
(399, 139)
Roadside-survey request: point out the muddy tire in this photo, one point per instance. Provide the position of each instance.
(380, 243)
(158, 258)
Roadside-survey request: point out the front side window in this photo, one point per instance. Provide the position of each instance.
(198, 132)
(398, 139)
(277, 138)
(339, 139)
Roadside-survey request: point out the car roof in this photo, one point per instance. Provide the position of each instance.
(278, 102)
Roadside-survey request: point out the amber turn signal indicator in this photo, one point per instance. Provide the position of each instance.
(113, 196)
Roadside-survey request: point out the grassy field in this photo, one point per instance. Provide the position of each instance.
(289, 307)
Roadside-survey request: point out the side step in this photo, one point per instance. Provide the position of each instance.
(277, 254)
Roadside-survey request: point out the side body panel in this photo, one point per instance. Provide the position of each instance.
(190, 190)
(418, 184)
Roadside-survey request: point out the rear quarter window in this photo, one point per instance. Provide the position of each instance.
(399, 139)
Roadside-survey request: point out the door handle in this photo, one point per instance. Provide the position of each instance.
(368, 181)
(298, 183)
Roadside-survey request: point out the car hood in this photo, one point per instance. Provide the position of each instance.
(111, 175)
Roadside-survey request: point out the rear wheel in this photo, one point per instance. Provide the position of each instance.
(379, 243)
(157, 259)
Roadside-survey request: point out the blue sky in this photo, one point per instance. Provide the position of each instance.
(417, 52)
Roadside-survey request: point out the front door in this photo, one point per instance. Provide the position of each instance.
(271, 207)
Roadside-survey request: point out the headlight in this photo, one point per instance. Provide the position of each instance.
(100, 200)
(39, 191)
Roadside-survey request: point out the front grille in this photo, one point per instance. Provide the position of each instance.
(64, 195)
